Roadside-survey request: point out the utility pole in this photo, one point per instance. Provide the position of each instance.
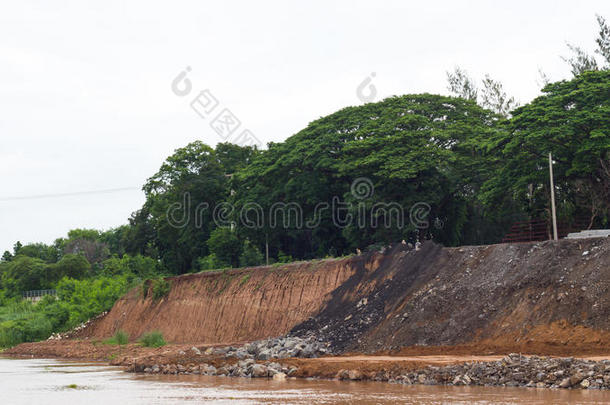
(553, 213)
(267, 248)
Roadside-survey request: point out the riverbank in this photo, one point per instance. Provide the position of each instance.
(33, 381)
(513, 370)
(426, 315)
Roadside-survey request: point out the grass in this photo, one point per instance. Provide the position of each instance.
(72, 386)
(161, 289)
(152, 339)
(120, 338)
(158, 288)
(244, 279)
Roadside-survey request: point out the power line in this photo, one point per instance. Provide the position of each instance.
(72, 194)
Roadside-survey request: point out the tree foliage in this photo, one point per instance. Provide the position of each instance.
(570, 120)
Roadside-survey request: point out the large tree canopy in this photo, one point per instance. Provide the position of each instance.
(570, 120)
(413, 148)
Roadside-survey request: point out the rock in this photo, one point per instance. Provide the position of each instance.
(342, 375)
(258, 370)
(421, 378)
(241, 354)
(220, 351)
(264, 355)
(208, 370)
(585, 383)
(246, 363)
(196, 351)
(354, 375)
(576, 378)
(292, 371)
(307, 351)
(565, 383)
(279, 377)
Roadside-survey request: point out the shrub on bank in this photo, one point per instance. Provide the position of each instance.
(120, 338)
(152, 339)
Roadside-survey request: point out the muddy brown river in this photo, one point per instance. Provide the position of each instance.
(53, 382)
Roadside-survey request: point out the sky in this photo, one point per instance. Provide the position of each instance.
(88, 111)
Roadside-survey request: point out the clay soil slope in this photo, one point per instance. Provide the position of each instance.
(230, 306)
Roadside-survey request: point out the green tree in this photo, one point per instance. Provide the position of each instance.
(86, 242)
(413, 148)
(70, 265)
(49, 254)
(16, 248)
(250, 255)
(570, 120)
(234, 157)
(225, 245)
(581, 61)
(24, 273)
(180, 199)
(140, 266)
(491, 95)
(7, 256)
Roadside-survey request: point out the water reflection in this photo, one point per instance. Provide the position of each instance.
(67, 383)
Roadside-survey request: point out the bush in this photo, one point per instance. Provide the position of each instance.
(284, 258)
(120, 338)
(250, 255)
(211, 262)
(20, 322)
(223, 243)
(152, 339)
(90, 297)
(160, 288)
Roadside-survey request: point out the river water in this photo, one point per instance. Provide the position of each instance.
(53, 382)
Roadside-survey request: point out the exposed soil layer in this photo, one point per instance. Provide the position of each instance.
(231, 306)
(539, 298)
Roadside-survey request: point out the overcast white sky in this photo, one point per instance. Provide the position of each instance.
(86, 104)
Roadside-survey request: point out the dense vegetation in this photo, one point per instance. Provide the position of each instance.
(476, 170)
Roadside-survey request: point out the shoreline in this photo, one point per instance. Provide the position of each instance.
(475, 369)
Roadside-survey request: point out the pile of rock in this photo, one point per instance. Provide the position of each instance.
(275, 348)
(244, 368)
(71, 333)
(512, 371)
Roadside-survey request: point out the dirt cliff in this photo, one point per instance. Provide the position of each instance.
(546, 297)
(231, 306)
